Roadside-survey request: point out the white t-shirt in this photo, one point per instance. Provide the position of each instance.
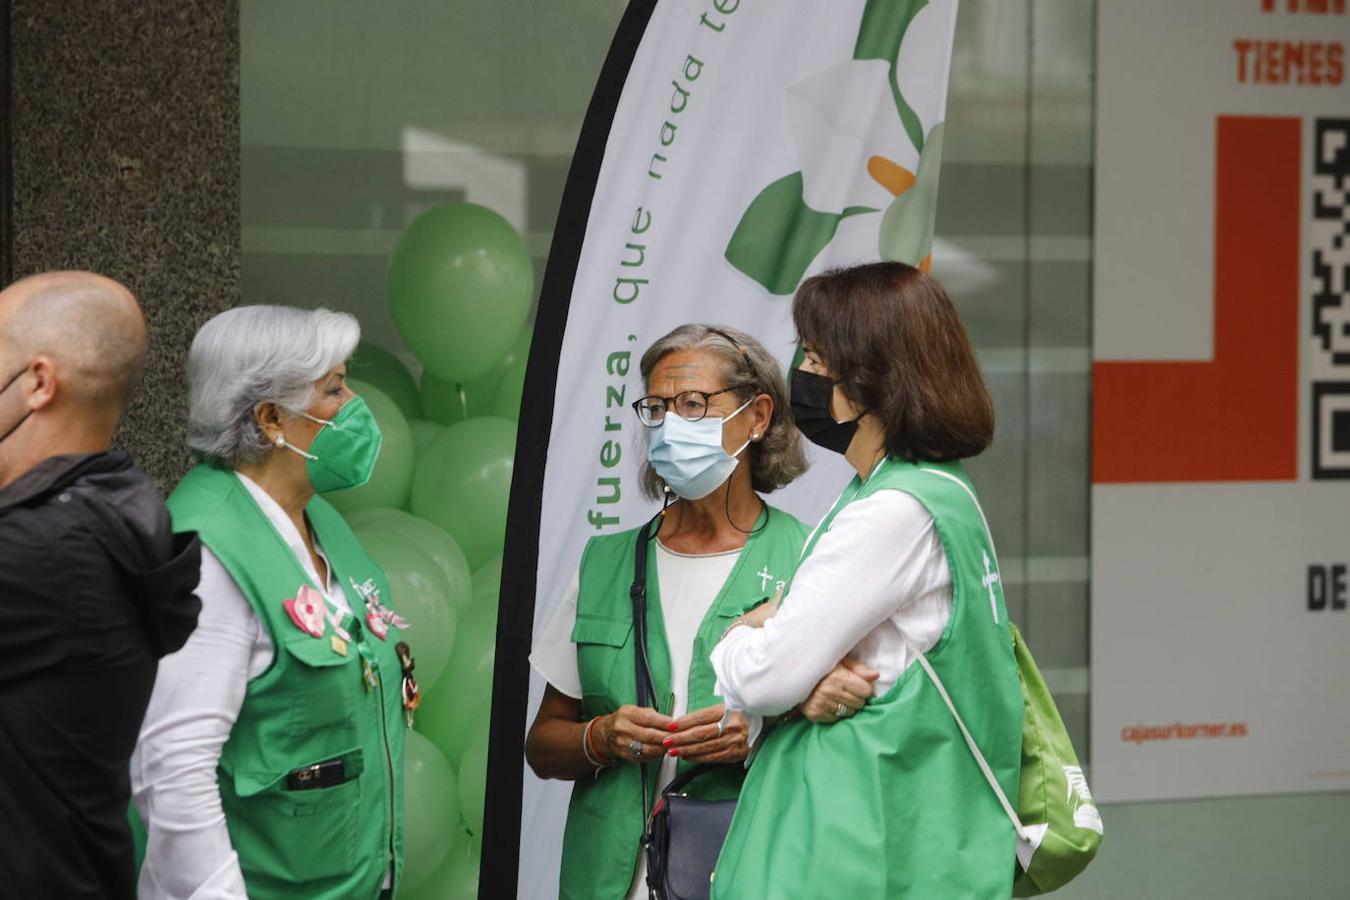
(878, 575)
(689, 583)
(196, 700)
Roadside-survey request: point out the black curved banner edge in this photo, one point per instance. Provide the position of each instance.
(499, 868)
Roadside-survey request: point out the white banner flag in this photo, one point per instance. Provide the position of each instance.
(750, 145)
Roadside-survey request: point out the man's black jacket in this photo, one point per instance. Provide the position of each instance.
(94, 589)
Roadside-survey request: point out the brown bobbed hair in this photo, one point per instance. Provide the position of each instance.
(891, 338)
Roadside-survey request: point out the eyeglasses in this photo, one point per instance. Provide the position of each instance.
(688, 405)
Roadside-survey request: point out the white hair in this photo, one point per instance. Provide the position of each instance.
(258, 354)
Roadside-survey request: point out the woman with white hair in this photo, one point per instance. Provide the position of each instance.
(270, 762)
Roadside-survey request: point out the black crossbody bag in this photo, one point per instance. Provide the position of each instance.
(682, 835)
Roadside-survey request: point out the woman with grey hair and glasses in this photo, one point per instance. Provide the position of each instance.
(719, 432)
(270, 762)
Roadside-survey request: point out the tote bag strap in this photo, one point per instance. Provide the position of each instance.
(942, 689)
(1028, 839)
(970, 742)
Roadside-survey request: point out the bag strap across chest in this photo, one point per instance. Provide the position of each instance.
(1028, 837)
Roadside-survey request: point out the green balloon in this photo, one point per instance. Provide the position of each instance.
(450, 402)
(430, 797)
(463, 483)
(473, 781)
(420, 593)
(519, 350)
(359, 518)
(445, 718)
(511, 390)
(487, 580)
(424, 433)
(456, 878)
(459, 702)
(388, 485)
(461, 870)
(443, 401)
(470, 668)
(378, 367)
(460, 287)
(432, 540)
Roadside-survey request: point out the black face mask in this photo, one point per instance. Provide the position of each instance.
(24, 418)
(811, 395)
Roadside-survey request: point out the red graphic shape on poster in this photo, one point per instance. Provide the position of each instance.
(1234, 418)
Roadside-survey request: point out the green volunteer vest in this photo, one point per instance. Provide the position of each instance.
(604, 821)
(889, 802)
(313, 704)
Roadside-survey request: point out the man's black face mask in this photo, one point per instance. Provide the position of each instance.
(24, 417)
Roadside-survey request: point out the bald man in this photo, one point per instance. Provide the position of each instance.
(94, 586)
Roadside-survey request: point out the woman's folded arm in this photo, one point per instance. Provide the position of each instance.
(860, 573)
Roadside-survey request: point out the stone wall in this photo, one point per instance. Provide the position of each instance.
(124, 122)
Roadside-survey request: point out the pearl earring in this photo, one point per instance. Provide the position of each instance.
(280, 441)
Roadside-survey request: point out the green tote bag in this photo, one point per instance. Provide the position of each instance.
(1058, 826)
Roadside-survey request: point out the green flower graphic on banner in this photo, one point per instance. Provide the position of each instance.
(868, 133)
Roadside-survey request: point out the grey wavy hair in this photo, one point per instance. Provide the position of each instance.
(778, 457)
(258, 354)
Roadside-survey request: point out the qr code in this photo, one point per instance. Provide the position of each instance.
(1330, 237)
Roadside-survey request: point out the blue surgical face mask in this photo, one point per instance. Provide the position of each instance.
(688, 456)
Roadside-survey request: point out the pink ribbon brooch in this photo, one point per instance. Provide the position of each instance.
(378, 626)
(378, 616)
(307, 611)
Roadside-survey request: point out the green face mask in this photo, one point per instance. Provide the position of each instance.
(344, 451)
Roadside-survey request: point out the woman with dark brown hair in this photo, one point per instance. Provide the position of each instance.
(873, 791)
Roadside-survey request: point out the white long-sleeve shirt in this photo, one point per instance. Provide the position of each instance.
(196, 700)
(688, 585)
(877, 576)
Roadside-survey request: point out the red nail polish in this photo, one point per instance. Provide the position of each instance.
(674, 753)
(667, 742)
(672, 727)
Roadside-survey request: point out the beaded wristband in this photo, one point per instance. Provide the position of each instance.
(586, 745)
